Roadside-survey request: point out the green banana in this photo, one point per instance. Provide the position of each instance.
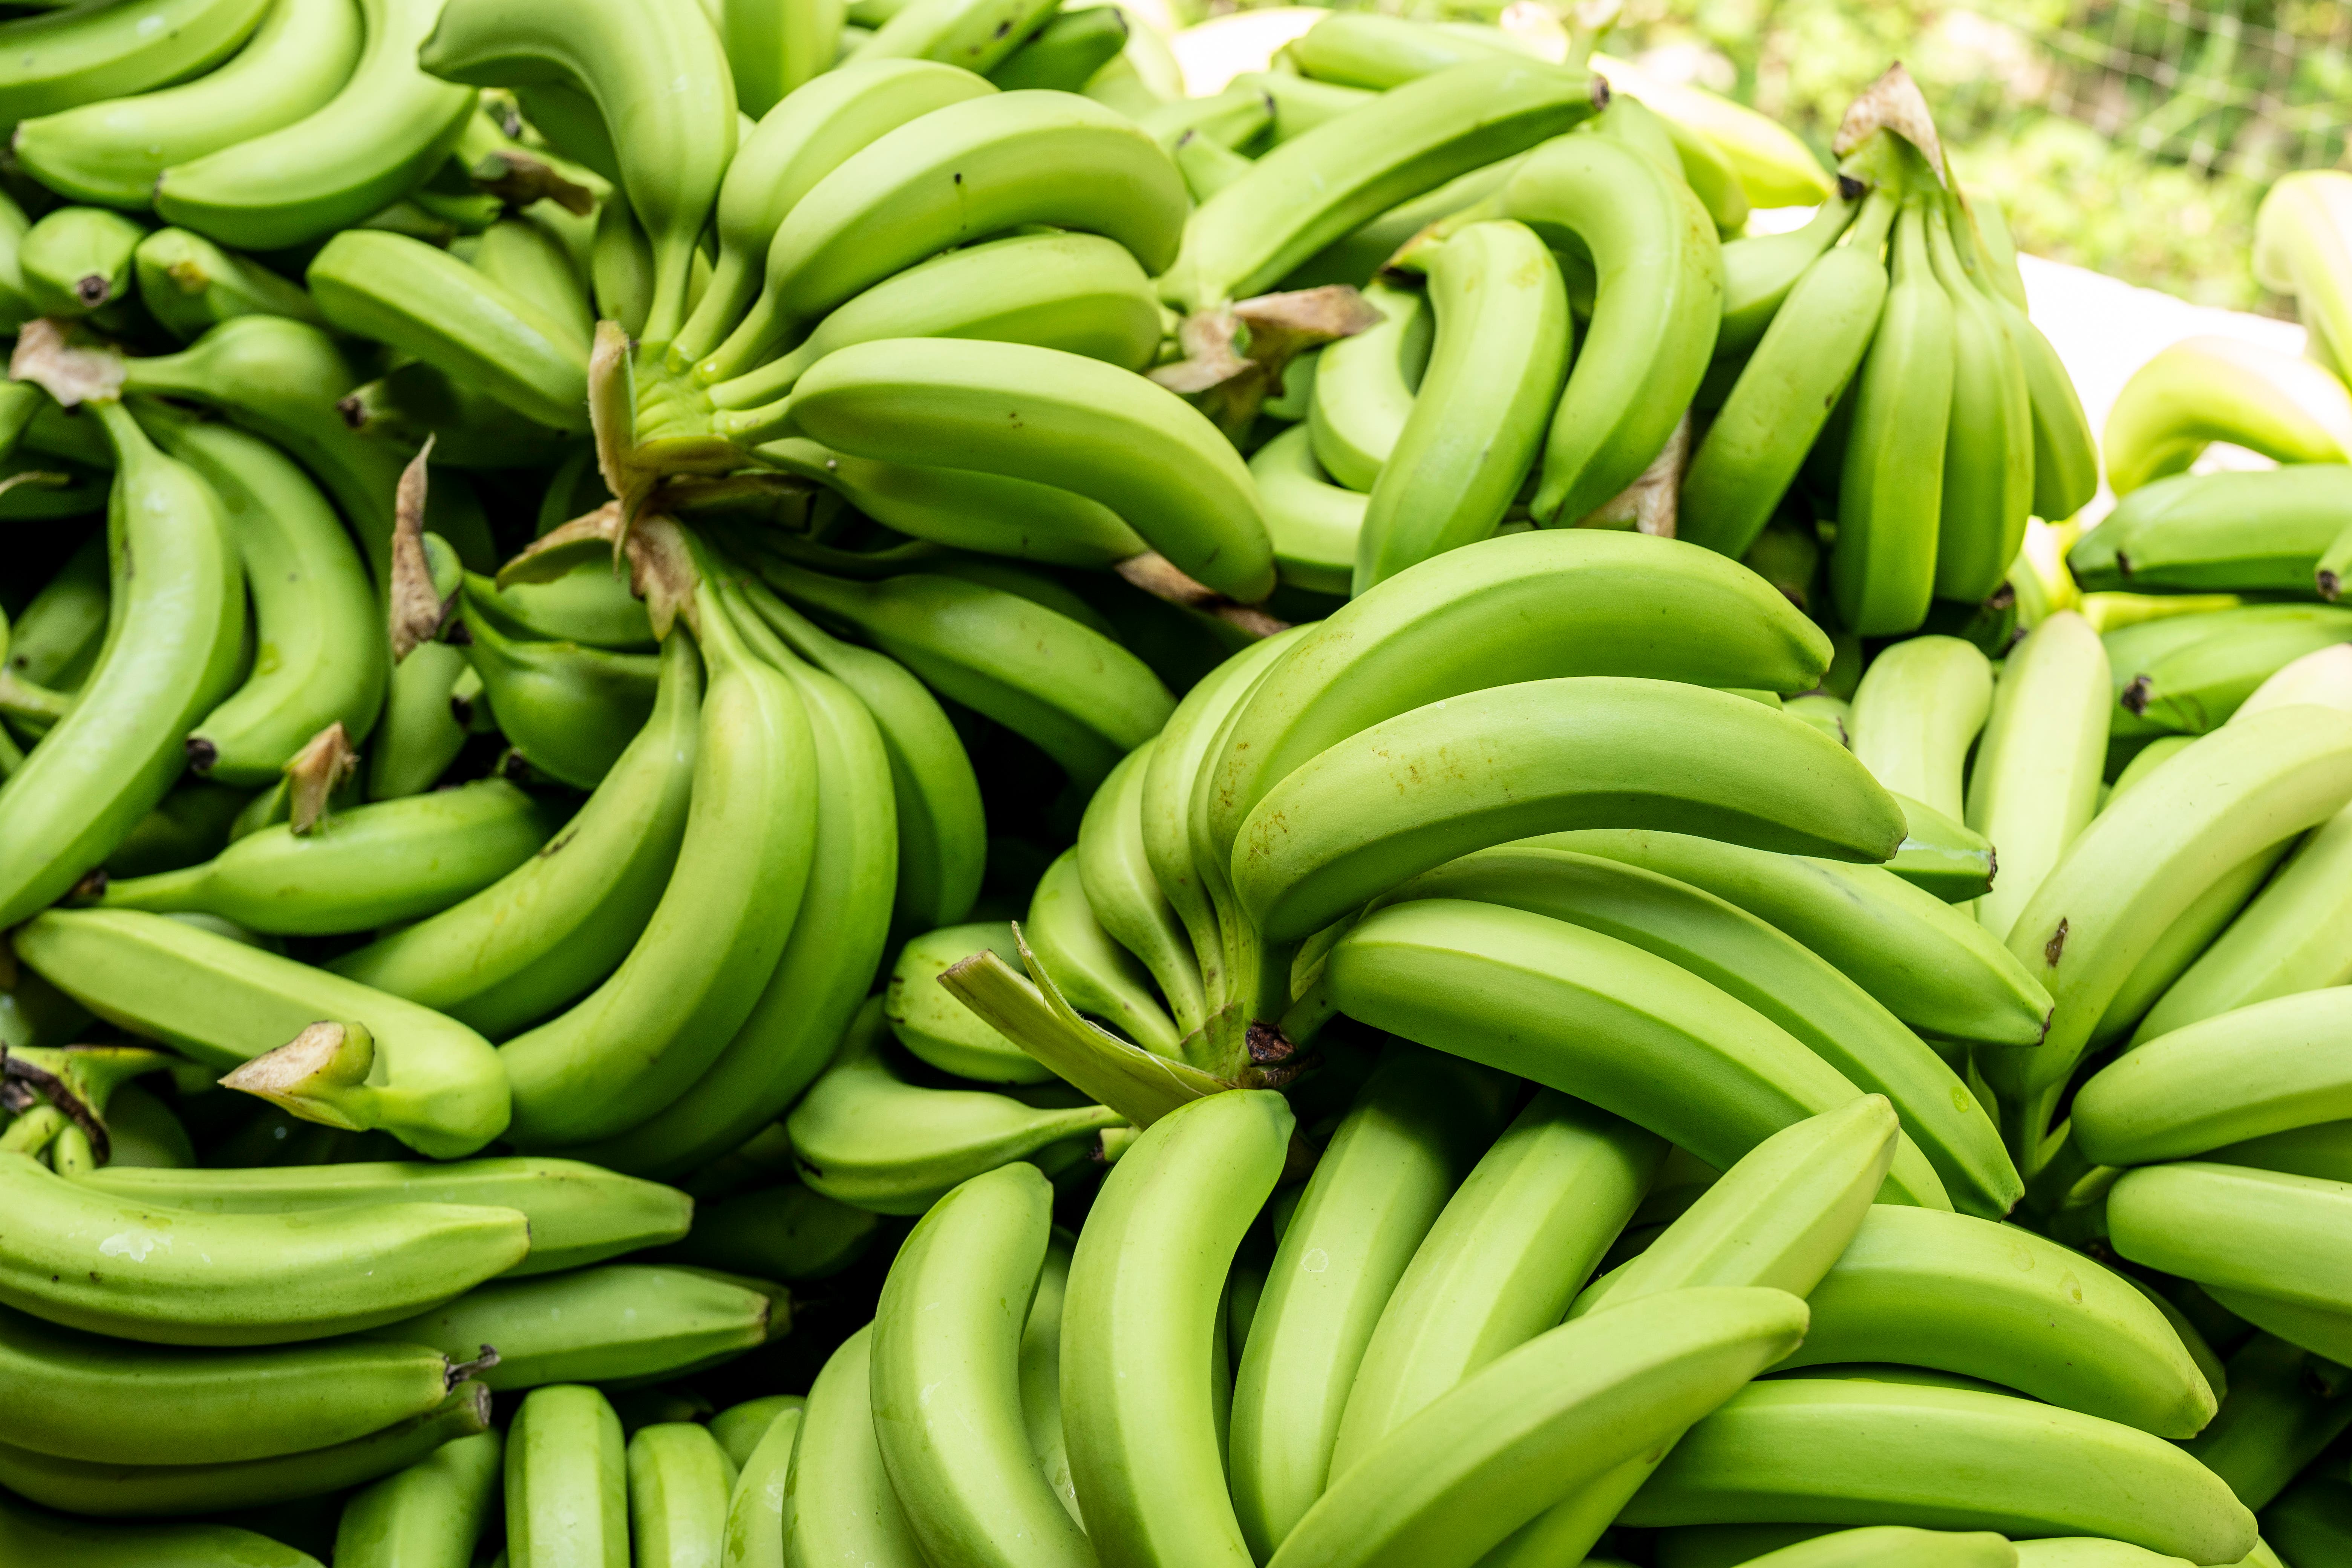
(110, 152)
(1081, 425)
(2288, 939)
(1413, 1132)
(64, 1391)
(1550, 755)
(34, 1536)
(1760, 270)
(991, 513)
(946, 1378)
(1901, 475)
(2140, 864)
(2187, 936)
(532, 258)
(1460, 623)
(1082, 698)
(1090, 967)
(1298, 103)
(81, 55)
(386, 128)
(1501, 1262)
(1855, 1452)
(420, 730)
(1066, 51)
(76, 260)
(1915, 715)
(2253, 533)
(679, 1483)
(1901, 1544)
(586, 605)
(1145, 1447)
(659, 78)
(2312, 1520)
(616, 1321)
(2323, 1333)
(1960, 1295)
(838, 1505)
(236, 1279)
(319, 654)
(2206, 389)
(640, 1039)
(1656, 305)
(1371, 50)
(1077, 292)
(426, 303)
(2197, 686)
(1365, 386)
(2260, 1232)
(147, 1490)
(1486, 1457)
(1315, 526)
(1590, 1016)
(579, 1214)
(2034, 784)
(56, 637)
(2298, 237)
(1316, 187)
(437, 1085)
(1235, 118)
(755, 1536)
(2286, 1409)
(786, 1232)
(773, 50)
(942, 837)
(571, 711)
(865, 1136)
(429, 1515)
(173, 648)
(978, 35)
(1800, 368)
(563, 921)
(567, 1481)
(962, 172)
(1123, 894)
(373, 866)
(2215, 1081)
(1770, 973)
(794, 146)
(1501, 349)
(1942, 855)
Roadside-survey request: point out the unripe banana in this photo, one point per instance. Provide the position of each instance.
(1915, 715)
(2287, 1408)
(1989, 462)
(838, 1503)
(1066, 51)
(567, 1481)
(34, 1536)
(579, 1214)
(931, 1022)
(76, 260)
(1114, 869)
(569, 711)
(1760, 270)
(679, 1482)
(72, 56)
(1088, 966)
(2034, 784)
(429, 1515)
(2260, 1232)
(756, 1517)
(1365, 385)
(2299, 236)
(774, 49)
(976, 35)
(2208, 389)
(586, 605)
(2221, 532)
(1315, 525)
(2312, 1520)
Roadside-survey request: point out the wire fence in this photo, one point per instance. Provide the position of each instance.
(2251, 89)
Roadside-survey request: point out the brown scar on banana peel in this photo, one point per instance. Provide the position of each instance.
(47, 355)
(325, 1055)
(1894, 102)
(1158, 576)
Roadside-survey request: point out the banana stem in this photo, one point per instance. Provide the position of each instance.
(33, 1131)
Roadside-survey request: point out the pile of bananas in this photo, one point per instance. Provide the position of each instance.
(790, 784)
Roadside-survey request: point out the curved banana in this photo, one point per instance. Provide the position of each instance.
(1656, 305)
(1066, 51)
(73, 56)
(977, 35)
(2034, 784)
(2222, 532)
(238, 1279)
(1089, 966)
(945, 1379)
(838, 1505)
(586, 605)
(385, 128)
(1799, 370)
(37, 1536)
(2218, 1080)
(1461, 623)
(1413, 1132)
(2264, 1233)
(579, 1214)
(1759, 270)
(943, 832)
(1915, 715)
(1139, 1312)
(614, 1321)
(961, 172)
(1079, 293)
(1503, 334)
(1315, 525)
(1365, 385)
(2196, 684)
(2140, 864)
(1080, 697)
(66, 1394)
(424, 302)
(755, 1508)
(1770, 973)
(2299, 247)
(865, 1136)
(569, 711)
(990, 513)
(1115, 873)
(774, 51)
(112, 151)
(657, 75)
(76, 261)
(378, 865)
(1501, 1262)
(1541, 756)
(1851, 1451)
(1988, 457)
(1589, 1016)
(533, 259)
(429, 1515)
(2208, 389)
(567, 1479)
(802, 138)
(680, 1481)
(1053, 417)
(174, 634)
(560, 923)
(1960, 1295)
(1314, 188)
